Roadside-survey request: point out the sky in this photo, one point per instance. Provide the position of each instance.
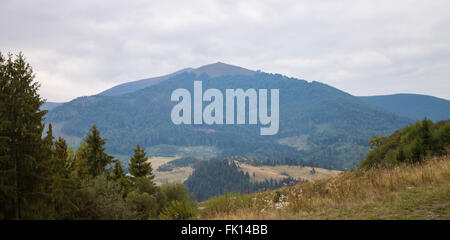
(79, 48)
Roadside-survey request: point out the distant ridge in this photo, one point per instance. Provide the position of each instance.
(414, 106)
(221, 69)
(213, 70)
(50, 105)
(130, 87)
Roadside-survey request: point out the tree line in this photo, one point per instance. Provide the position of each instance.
(217, 177)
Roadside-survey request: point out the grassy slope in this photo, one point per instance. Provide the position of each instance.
(406, 192)
(177, 175)
(283, 171)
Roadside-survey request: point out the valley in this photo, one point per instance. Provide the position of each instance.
(257, 173)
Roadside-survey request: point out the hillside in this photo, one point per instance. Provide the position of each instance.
(414, 106)
(262, 173)
(410, 192)
(332, 126)
(50, 105)
(414, 185)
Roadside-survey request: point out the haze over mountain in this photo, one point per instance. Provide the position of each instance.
(213, 70)
(319, 125)
(50, 105)
(414, 106)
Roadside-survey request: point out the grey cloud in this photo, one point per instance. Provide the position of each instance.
(362, 47)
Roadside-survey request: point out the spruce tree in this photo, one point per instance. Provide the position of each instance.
(61, 154)
(118, 175)
(117, 172)
(139, 167)
(61, 185)
(20, 138)
(96, 157)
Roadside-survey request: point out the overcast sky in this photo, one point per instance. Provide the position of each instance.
(80, 48)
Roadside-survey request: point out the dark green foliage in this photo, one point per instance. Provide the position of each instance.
(139, 167)
(102, 199)
(179, 210)
(414, 106)
(143, 201)
(95, 155)
(60, 185)
(218, 177)
(174, 191)
(117, 172)
(21, 158)
(41, 178)
(179, 206)
(337, 125)
(412, 144)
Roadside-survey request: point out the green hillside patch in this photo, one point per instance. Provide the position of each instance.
(412, 144)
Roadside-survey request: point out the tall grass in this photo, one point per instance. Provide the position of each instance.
(348, 189)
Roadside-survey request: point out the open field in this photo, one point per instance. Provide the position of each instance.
(158, 161)
(420, 191)
(262, 173)
(179, 174)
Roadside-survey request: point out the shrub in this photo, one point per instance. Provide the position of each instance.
(179, 210)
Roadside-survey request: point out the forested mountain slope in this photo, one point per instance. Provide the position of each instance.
(319, 125)
(414, 106)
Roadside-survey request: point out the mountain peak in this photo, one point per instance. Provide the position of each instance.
(220, 69)
(213, 70)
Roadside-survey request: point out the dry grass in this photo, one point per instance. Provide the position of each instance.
(158, 161)
(179, 174)
(415, 191)
(283, 171)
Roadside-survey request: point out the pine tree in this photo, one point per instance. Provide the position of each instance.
(117, 172)
(138, 166)
(96, 157)
(20, 138)
(61, 193)
(81, 167)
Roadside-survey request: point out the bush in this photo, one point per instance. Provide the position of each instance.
(179, 210)
(227, 203)
(174, 191)
(412, 144)
(142, 205)
(102, 199)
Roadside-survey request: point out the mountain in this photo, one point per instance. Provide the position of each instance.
(213, 70)
(50, 105)
(320, 125)
(414, 106)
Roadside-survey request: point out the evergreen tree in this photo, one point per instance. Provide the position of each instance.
(117, 172)
(61, 185)
(20, 138)
(81, 167)
(139, 167)
(96, 157)
(61, 152)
